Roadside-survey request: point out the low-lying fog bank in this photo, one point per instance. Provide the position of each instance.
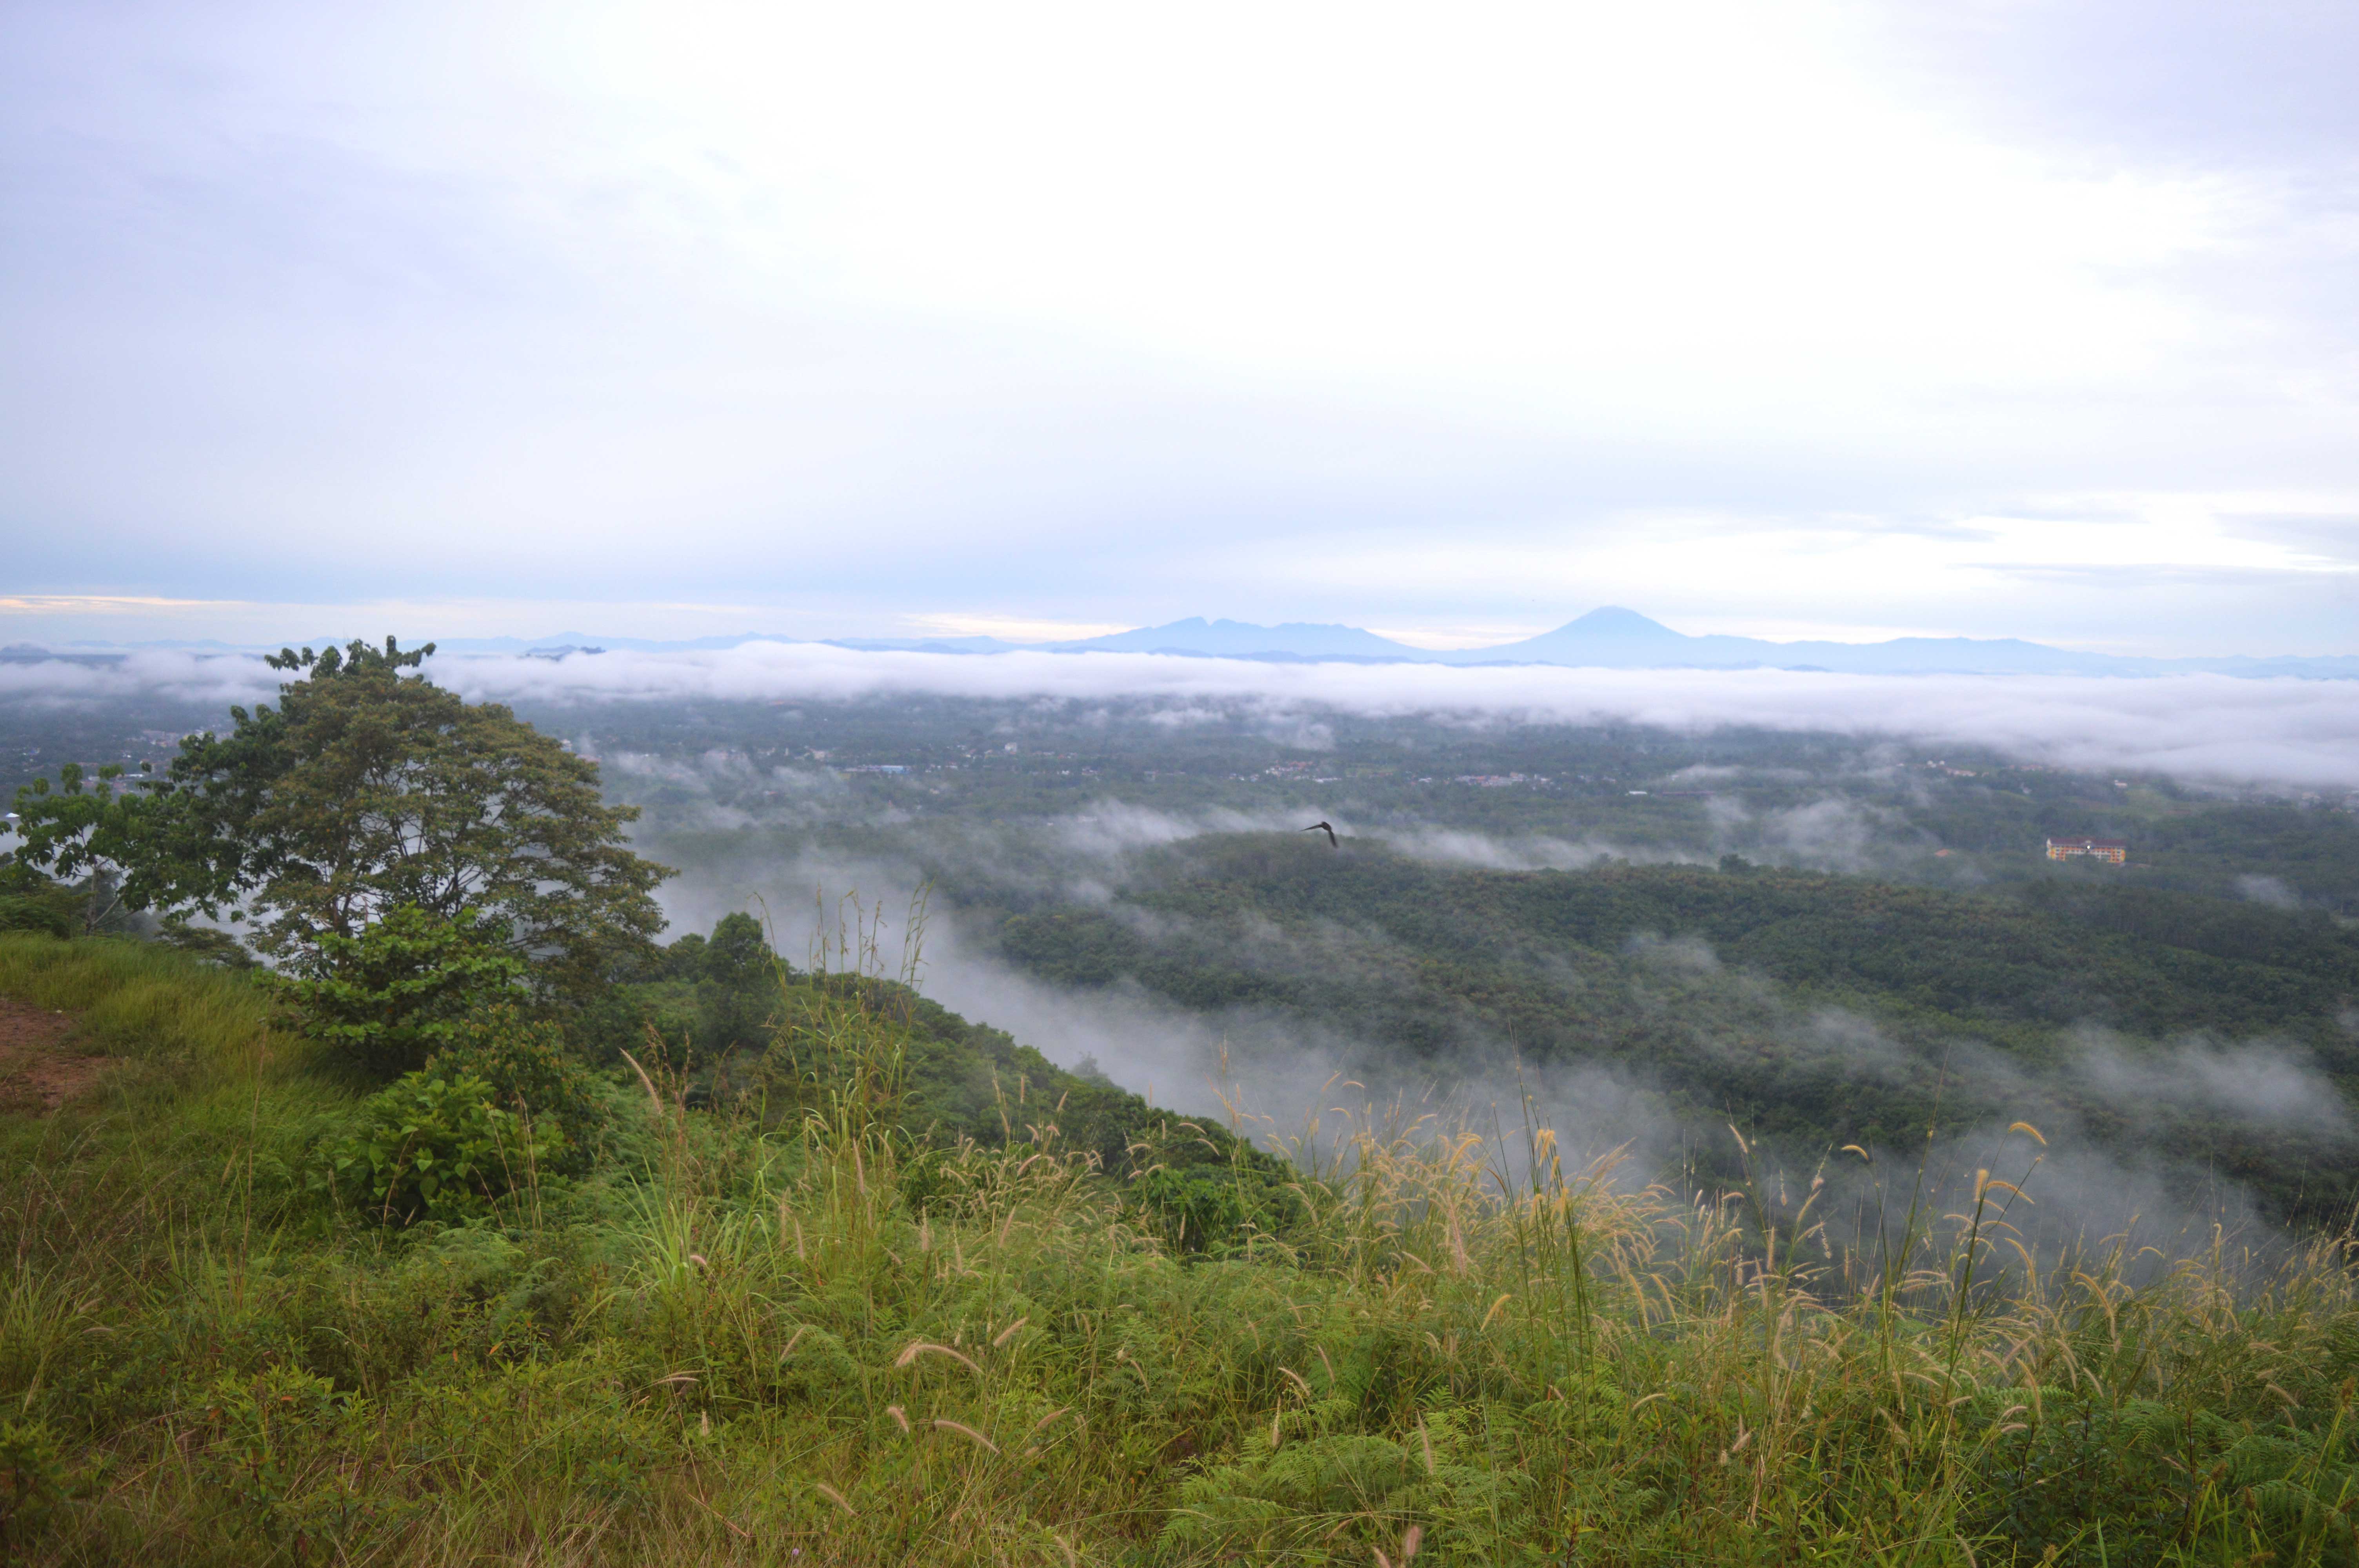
(2300, 732)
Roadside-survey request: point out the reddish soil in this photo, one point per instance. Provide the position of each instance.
(38, 1069)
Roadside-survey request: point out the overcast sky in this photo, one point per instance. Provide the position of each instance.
(1451, 321)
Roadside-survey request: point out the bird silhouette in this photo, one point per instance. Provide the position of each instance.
(1322, 828)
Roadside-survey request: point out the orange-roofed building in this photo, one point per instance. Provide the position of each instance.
(2113, 850)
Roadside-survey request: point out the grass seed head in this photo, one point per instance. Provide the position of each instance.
(966, 1432)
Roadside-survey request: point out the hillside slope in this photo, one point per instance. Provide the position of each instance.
(734, 1342)
(1823, 1010)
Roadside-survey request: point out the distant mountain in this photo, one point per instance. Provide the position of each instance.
(1615, 638)
(1610, 638)
(1237, 639)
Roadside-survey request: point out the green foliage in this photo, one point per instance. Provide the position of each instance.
(100, 828)
(1318, 1487)
(205, 942)
(25, 912)
(392, 994)
(1719, 986)
(738, 955)
(684, 960)
(433, 1147)
(368, 790)
(866, 1344)
(32, 1484)
(706, 999)
(1209, 1208)
(272, 1440)
(525, 1061)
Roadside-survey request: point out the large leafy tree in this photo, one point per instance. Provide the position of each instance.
(369, 788)
(85, 829)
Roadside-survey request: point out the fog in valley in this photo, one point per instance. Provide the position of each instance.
(1105, 857)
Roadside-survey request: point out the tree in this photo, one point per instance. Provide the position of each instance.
(89, 829)
(366, 790)
(401, 990)
(738, 952)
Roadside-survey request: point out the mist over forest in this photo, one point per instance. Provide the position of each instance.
(1651, 933)
(1475, 787)
(1778, 973)
(1656, 933)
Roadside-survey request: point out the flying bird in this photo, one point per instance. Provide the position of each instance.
(1322, 828)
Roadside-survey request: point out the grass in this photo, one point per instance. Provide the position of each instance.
(742, 1343)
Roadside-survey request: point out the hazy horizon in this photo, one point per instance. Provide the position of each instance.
(1812, 320)
(575, 637)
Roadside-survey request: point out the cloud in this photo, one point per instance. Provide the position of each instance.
(2194, 727)
(318, 303)
(2270, 890)
(2202, 728)
(214, 680)
(2262, 1083)
(1832, 834)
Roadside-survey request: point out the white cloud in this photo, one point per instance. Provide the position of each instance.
(2302, 733)
(1049, 313)
(2202, 727)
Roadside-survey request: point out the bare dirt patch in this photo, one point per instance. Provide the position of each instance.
(40, 1068)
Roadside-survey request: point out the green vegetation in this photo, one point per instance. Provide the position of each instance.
(486, 1230)
(1818, 1010)
(364, 791)
(810, 1327)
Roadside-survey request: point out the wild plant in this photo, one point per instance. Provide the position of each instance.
(791, 1327)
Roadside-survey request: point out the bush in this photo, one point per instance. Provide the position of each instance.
(206, 945)
(32, 1483)
(525, 1061)
(27, 912)
(738, 955)
(1213, 1208)
(397, 993)
(32, 901)
(431, 1147)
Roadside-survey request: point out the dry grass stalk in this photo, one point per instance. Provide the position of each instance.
(653, 1099)
(917, 1348)
(944, 1424)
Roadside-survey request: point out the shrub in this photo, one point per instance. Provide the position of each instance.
(32, 1482)
(432, 1147)
(738, 954)
(1213, 1208)
(525, 1061)
(30, 911)
(206, 945)
(397, 993)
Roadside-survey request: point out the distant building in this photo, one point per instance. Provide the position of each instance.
(2113, 850)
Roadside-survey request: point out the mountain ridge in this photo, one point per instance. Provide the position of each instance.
(1610, 637)
(1613, 637)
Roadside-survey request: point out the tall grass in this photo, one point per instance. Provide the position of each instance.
(138, 999)
(756, 1341)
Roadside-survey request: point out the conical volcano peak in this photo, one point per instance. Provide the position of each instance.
(1612, 620)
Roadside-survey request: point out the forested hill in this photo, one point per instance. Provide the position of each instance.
(1821, 1008)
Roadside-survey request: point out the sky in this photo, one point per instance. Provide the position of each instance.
(1788, 320)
